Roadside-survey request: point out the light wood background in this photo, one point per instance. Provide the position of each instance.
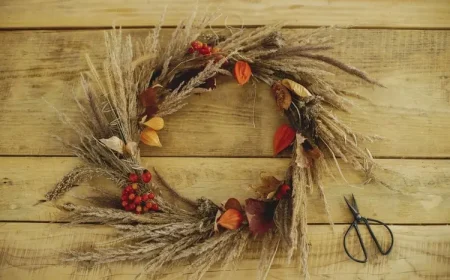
(217, 147)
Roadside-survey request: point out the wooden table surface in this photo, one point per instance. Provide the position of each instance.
(217, 147)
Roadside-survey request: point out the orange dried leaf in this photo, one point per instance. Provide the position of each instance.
(242, 72)
(284, 136)
(231, 219)
(150, 137)
(233, 203)
(155, 123)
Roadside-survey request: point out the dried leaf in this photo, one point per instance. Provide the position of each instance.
(270, 184)
(155, 123)
(259, 215)
(131, 148)
(150, 137)
(233, 203)
(149, 96)
(218, 214)
(296, 88)
(282, 95)
(284, 136)
(311, 151)
(209, 84)
(114, 143)
(231, 219)
(242, 72)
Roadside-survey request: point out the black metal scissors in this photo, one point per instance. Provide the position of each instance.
(359, 219)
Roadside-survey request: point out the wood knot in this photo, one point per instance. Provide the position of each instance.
(7, 182)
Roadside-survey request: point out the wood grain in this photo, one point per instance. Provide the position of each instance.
(98, 13)
(417, 193)
(30, 251)
(412, 113)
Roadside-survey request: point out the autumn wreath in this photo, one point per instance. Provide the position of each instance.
(142, 82)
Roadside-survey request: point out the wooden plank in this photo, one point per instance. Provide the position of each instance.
(423, 198)
(420, 252)
(412, 113)
(95, 13)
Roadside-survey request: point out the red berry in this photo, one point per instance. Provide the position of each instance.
(129, 189)
(155, 207)
(124, 197)
(145, 209)
(197, 45)
(138, 209)
(206, 50)
(137, 199)
(124, 203)
(131, 196)
(149, 205)
(146, 176)
(133, 177)
(282, 191)
(134, 186)
(132, 206)
(191, 50)
(127, 208)
(145, 197)
(151, 195)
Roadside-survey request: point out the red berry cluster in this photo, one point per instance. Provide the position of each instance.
(132, 201)
(202, 48)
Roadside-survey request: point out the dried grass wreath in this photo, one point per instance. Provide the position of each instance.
(142, 82)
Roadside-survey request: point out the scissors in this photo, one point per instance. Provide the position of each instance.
(358, 220)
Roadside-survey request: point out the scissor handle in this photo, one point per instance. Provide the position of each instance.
(355, 225)
(366, 221)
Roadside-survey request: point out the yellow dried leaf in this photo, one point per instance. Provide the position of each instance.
(114, 143)
(150, 137)
(155, 123)
(131, 148)
(296, 88)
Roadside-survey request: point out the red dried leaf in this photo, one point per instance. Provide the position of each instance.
(231, 219)
(259, 215)
(233, 203)
(148, 97)
(242, 72)
(284, 136)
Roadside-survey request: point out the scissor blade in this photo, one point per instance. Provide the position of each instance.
(352, 209)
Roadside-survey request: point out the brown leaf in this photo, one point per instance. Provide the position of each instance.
(242, 72)
(282, 95)
(209, 84)
(149, 96)
(311, 151)
(284, 136)
(259, 215)
(233, 203)
(269, 185)
(231, 219)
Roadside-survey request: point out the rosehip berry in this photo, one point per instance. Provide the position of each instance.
(205, 50)
(124, 197)
(146, 176)
(137, 199)
(282, 191)
(145, 209)
(127, 208)
(124, 203)
(149, 205)
(134, 186)
(151, 195)
(197, 45)
(131, 196)
(145, 197)
(155, 207)
(132, 206)
(138, 209)
(191, 50)
(129, 189)
(133, 177)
